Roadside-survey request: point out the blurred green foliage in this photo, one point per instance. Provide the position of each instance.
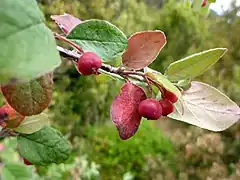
(80, 105)
(77, 167)
(117, 157)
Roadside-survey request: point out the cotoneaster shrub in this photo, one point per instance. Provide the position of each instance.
(27, 86)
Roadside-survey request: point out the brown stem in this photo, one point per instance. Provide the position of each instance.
(7, 132)
(149, 86)
(161, 88)
(105, 67)
(125, 72)
(58, 36)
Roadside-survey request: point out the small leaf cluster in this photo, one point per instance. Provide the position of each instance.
(26, 81)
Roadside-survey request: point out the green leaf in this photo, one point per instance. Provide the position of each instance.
(163, 81)
(101, 37)
(32, 124)
(8, 153)
(44, 147)
(28, 48)
(194, 65)
(184, 84)
(206, 107)
(30, 98)
(15, 172)
(147, 69)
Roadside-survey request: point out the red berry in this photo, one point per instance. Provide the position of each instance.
(89, 63)
(167, 107)
(150, 109)
(26, 162)
(170, 96)
(204, 3)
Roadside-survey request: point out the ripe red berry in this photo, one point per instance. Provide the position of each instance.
(167, 107)
(150, 109)
(204, 3)
(170, 96)
(26, 162)
(89, 63)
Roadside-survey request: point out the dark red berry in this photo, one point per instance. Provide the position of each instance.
(170, 96)
(26, 162)
(204, 3)
(167, 107)
(89, 63)
(150, 109)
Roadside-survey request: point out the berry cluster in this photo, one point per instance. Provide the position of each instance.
(89, 63)
(154, 109)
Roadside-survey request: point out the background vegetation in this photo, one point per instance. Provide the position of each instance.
(161, 150)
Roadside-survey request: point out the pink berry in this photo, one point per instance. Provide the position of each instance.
(150, 109)
(167, 107)
(89, 63)
(170, 96)
(1, 147)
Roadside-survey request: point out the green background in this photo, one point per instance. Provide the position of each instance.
(160, 150)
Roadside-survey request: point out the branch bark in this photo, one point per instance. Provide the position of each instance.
(107, 69)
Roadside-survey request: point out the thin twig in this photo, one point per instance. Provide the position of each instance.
(58, 36)
(160, 87)
(7, 132)
(68, 53)
(149, 86)
(105, 68)
(133, 73)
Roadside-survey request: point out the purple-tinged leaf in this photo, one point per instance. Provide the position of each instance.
(66, 22)
(30, 98)
(9, 117)
(124, 110)
(143, 48)
(206, 107)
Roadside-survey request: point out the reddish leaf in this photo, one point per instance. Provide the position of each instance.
(124, 110)
(143, 48)
(30, 98)
(11, 118)
(3, 117)
(66, 22)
